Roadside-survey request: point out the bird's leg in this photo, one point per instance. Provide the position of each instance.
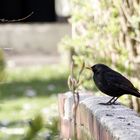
(110, 101)
(115, 100)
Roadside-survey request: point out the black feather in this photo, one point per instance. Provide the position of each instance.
(112, 83)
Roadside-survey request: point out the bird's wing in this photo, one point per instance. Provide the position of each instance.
(117, 80)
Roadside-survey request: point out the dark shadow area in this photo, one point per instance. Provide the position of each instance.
(44, 10)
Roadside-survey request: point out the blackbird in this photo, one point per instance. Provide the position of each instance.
(112, 83)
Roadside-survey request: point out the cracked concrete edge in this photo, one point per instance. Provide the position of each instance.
(119, 121)
(68, 105)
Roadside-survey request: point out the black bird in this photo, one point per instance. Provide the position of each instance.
(112, 83)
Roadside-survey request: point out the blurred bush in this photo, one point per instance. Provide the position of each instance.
(35, 126)
(53, 128)
(106, 32)
(2, 66)
(40, 128)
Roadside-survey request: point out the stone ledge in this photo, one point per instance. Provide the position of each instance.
(120, 122)
(98, 122)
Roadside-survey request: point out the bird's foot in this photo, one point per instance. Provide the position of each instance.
(104, 103)
(109, 103)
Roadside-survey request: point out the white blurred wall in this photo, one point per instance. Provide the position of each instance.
(33, 38)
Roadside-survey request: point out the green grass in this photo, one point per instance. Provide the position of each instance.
(44, 81)
(27, 92)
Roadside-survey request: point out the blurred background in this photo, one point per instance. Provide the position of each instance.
(35, 57)
(32, 70)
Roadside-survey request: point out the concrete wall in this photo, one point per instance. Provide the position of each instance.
(33, 38)
(98, 122)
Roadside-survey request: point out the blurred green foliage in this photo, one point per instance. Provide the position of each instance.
(95, 33)
(53, 128)
(105, 31)
(2, 66)
(29, 94)
(40, 127)
(35, 125)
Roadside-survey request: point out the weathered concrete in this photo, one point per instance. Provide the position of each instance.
(65, 103)
(100, 122)
(121, 122)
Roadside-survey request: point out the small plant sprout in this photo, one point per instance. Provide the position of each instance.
(74, 82)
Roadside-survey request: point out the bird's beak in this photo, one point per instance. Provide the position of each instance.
(89, 68)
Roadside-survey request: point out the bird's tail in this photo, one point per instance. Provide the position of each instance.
(136, 93)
